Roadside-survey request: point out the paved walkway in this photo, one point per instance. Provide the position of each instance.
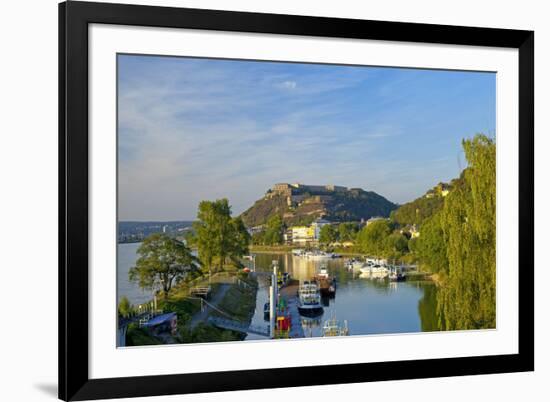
(201, 316)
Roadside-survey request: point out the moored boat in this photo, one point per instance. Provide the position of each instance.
(309, 299)
(298, 252)
(334, 327)
(396, 274)
(317, 255)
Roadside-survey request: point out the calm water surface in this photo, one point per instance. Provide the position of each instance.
(126, 259)
(369, 306)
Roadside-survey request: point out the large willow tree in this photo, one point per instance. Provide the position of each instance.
(467, 299)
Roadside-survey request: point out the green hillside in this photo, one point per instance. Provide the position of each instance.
(418, 211)
(304, 204)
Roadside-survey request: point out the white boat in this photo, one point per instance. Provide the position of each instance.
(309, 299)
(371, 275)
(317, 255)
(298, 252)
(376, 261)
(355, 264)
(374, 271)
(379, 269)
(333, 327)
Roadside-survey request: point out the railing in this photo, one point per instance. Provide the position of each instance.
(238, 326)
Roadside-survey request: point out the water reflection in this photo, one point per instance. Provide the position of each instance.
(369, 304)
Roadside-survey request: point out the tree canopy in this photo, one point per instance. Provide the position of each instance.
(328, 234)
(459, 243)
(396, 245)
(347, 231)
(371, 238)
(162, 262)
(430, 247)
(218, 236)
(273, 234)
(468, 297)
(124, 307)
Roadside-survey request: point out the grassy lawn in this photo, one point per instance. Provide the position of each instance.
(240, 301)
(136, 336)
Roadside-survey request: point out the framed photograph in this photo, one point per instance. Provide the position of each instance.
(258, 201)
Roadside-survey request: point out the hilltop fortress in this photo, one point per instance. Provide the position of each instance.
(295, 193)
(301, 204)
(297, 188)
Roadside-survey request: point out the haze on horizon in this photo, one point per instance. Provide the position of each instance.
(200, 129)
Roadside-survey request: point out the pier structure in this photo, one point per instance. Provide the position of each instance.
(273, 300)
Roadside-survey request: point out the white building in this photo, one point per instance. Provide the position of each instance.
(317, 225)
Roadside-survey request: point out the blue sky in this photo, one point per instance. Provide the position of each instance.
(196, 129)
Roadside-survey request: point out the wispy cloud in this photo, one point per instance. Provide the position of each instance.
(192, 129)
(289, 85)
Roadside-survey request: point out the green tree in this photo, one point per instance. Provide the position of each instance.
(274, 230)
(430, 247)
(240, 238)
(124, 307)
(328, 234)
(395, 246)
(258, 238)
(417, 211)
(218, 235)
(225, 230)
(205, 233)
(372, 237)
(467, 299)
(162, 262)
(347, 231)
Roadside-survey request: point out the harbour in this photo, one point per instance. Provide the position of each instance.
(367, 305)
(359, 304)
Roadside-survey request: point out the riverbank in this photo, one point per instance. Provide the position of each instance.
(235, 301)
(283, 249)
(232, 296)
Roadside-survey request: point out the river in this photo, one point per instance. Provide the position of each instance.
(369, 306)
(126, 259)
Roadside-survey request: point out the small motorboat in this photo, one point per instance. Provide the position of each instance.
(333, 327)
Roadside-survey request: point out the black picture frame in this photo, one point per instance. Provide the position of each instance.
(74, 18)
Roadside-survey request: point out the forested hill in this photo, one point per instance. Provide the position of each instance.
(418, 211)
(302, 204)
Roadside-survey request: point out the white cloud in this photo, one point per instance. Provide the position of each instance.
(195, 131)
(289, 84)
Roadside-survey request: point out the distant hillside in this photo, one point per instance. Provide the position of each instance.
(302, 204)
(417, 211)
(132, 231)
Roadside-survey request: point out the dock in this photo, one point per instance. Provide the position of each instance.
(289, 292)
(296, 330)
(238, 326)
